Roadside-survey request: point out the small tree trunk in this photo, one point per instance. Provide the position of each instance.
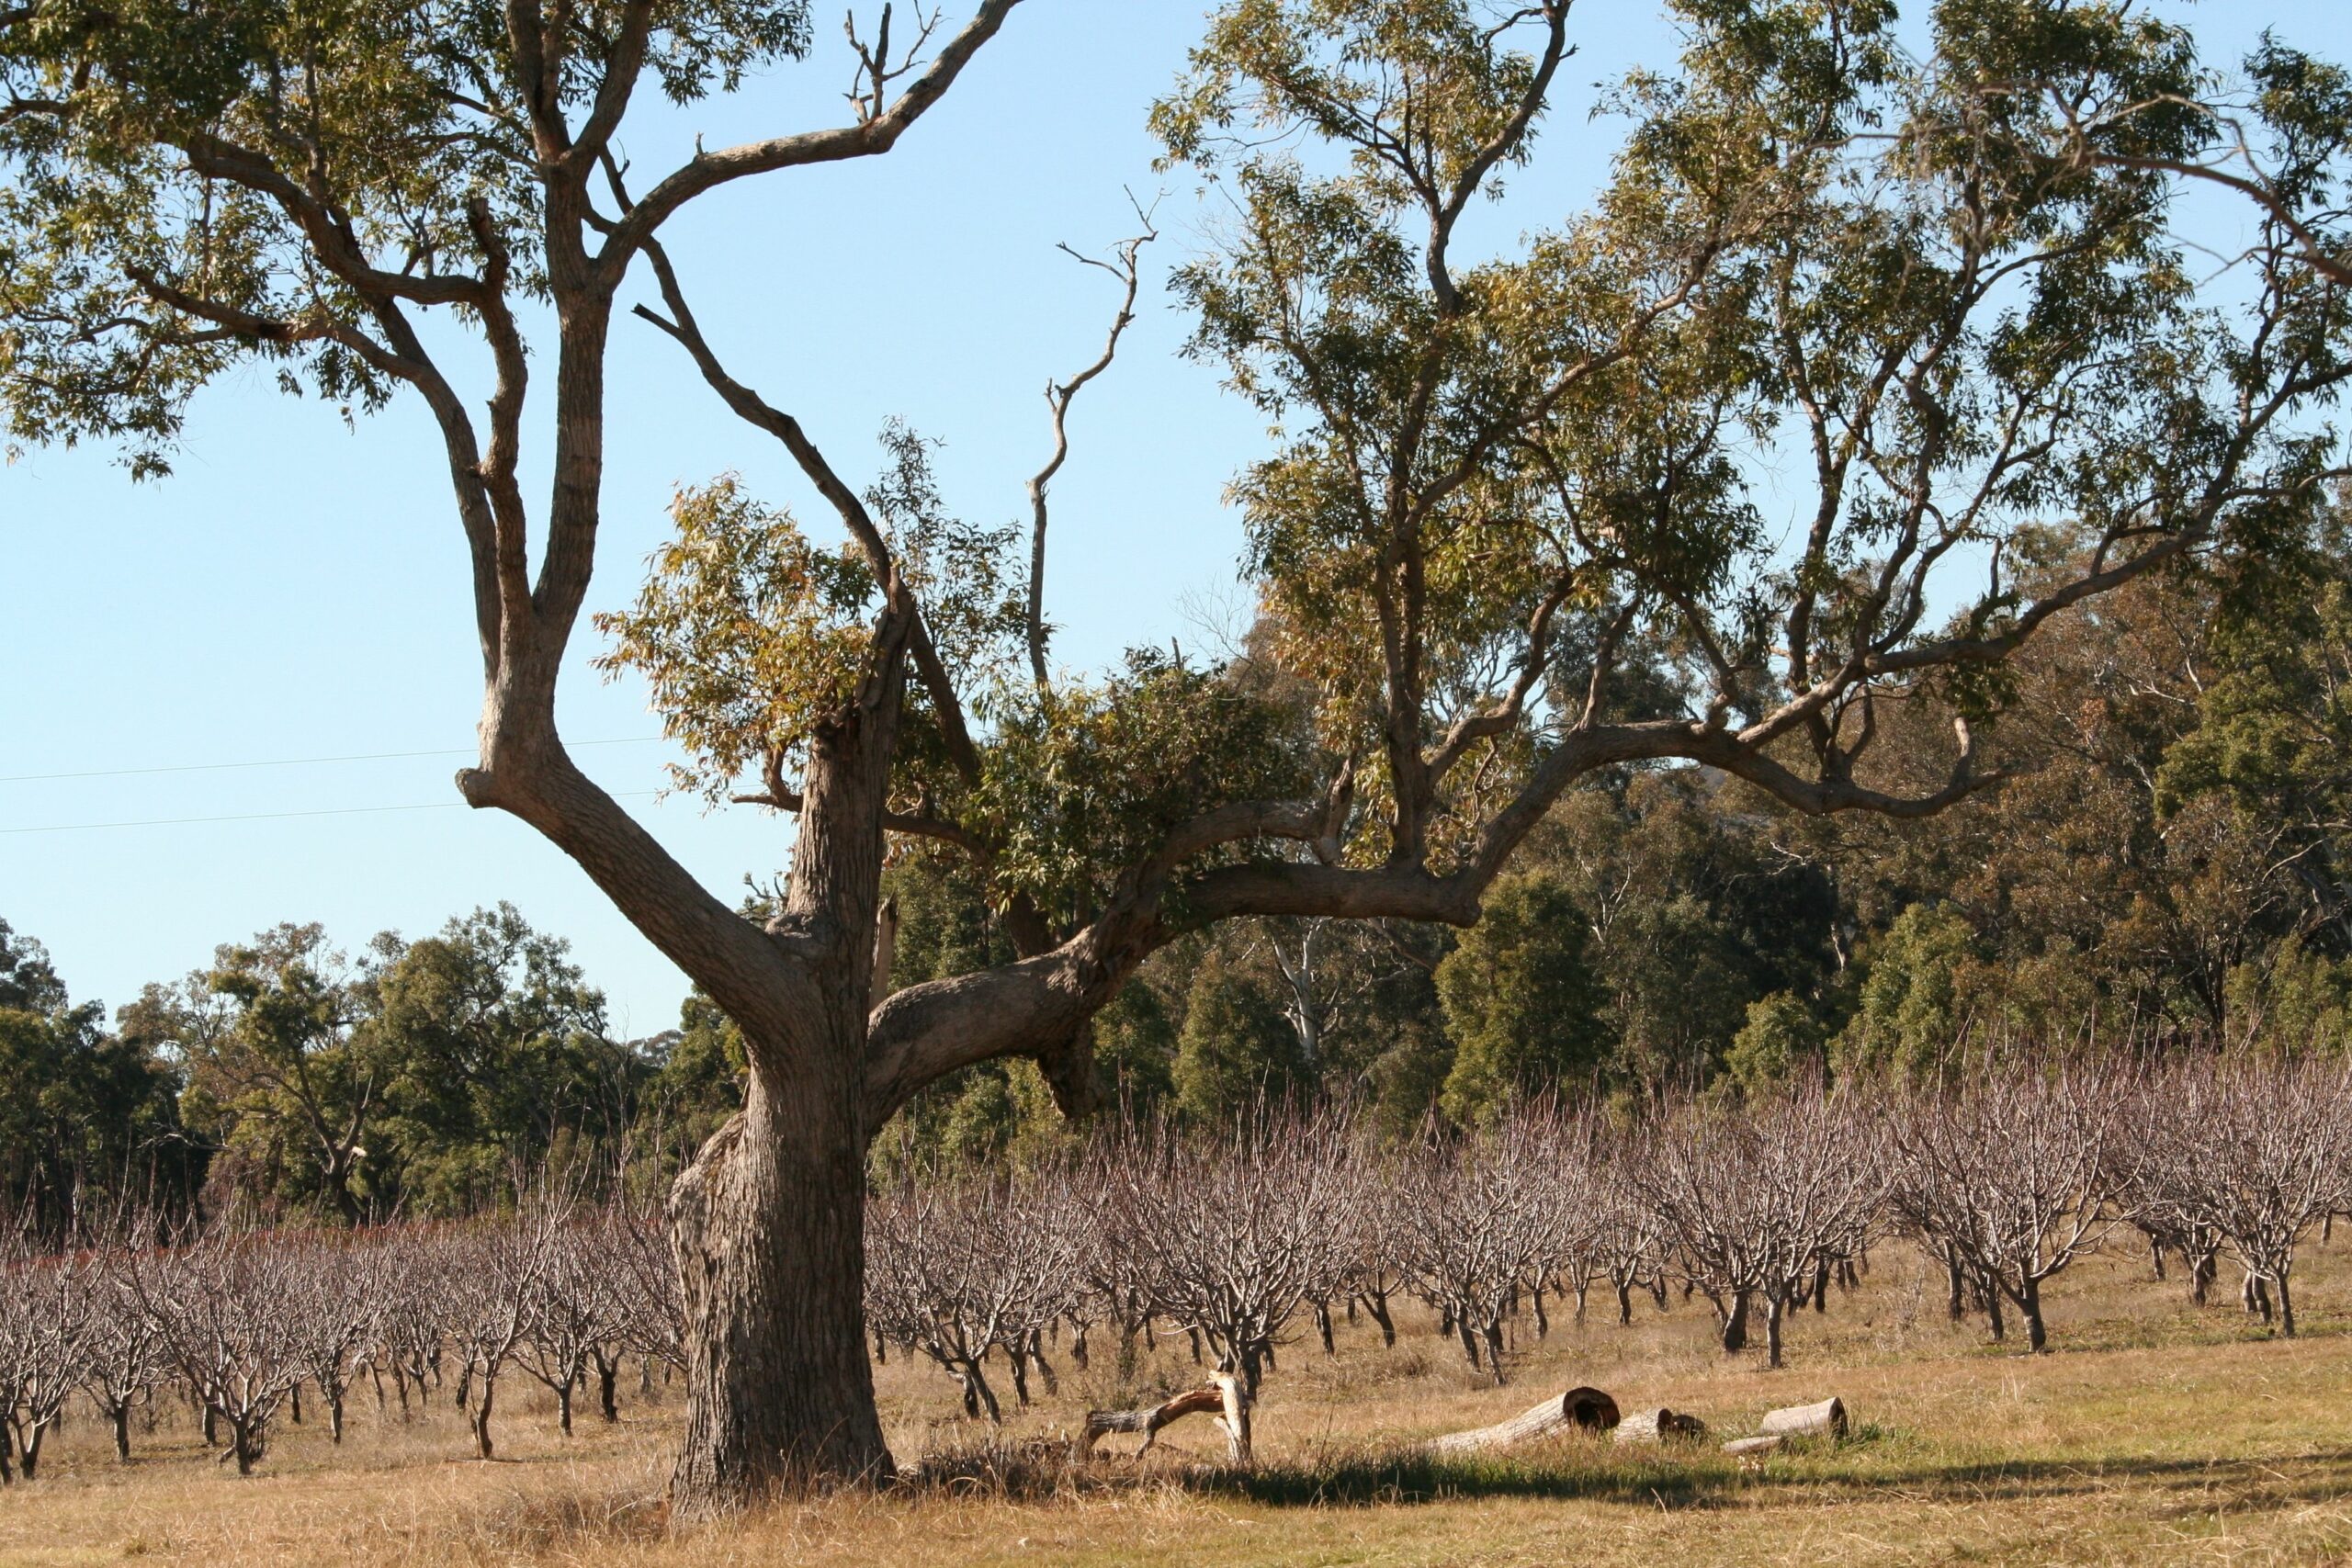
(482, 1446)
(978, 1397)
(563, 1408)
(1323, 1325)
(2037, 1337)
(1376, 1304)
(1020, 1360)
(335, 1417)
(1774, 1309)
(118, 1412)
(608, 1375)
(294, 1402)
(1735, 1324)
(1238, 1398)
(1821, 1285)
(2286, 1307)
(1624, 1303)
(211, 1426)
(1955, 1300)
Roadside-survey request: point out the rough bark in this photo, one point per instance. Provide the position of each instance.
(768, 1228)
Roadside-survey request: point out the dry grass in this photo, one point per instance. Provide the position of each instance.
(2155, 1434)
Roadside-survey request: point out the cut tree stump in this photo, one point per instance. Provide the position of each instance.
(1578, 1410)
(1748, 1445)
(1228, 1397)
(1826, 1419)
(1661, 1426)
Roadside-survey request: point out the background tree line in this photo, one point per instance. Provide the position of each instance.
(2171, 866)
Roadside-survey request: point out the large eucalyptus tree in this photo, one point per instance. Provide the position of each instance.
(1521, 522)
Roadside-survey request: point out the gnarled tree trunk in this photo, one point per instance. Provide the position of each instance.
(768, 1225)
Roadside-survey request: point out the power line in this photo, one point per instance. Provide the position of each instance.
(279, 762)
(276, 816)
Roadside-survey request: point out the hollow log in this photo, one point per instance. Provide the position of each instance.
(1826, 1419)
(1578, 1410)
(1744, 1447)
(1661, 1426)
(1226, 1397)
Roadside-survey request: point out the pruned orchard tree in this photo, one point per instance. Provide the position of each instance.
(1470, 1221)
(49, 1315)
(2255, 1153)
(2009, 1179)
(960, 1269)
(341, 1287)
(123, 1361)
(1233, 1234)
(219, 1302)
(1498, 478)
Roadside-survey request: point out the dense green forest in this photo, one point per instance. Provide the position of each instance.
(2170, 867)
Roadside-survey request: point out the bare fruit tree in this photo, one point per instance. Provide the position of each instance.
(576, 1315)
(343, 1284)
(2010, 1176)
(1471, 1219)
(2255, 1153)
(50, 1311)
(1234, 1230)
(124, 1361)
(219, 1302)
(490, 1279)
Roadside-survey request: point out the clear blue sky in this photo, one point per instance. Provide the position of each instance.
(298, 589)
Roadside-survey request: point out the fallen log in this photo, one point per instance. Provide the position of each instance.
(1578, 1410)
(1225, 1396)
(1661, 1426)
(1826, 1419)
(1744, 1447)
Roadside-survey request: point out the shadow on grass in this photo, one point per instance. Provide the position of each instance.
(1698, 1478)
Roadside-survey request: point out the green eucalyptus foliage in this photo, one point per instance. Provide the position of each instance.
(1912, 1021)
(1780, 1037)
(499, 1062)
(141, 144)
(88, 1118)
(1236, 1050)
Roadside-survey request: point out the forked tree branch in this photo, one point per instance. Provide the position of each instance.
(1059, 397)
